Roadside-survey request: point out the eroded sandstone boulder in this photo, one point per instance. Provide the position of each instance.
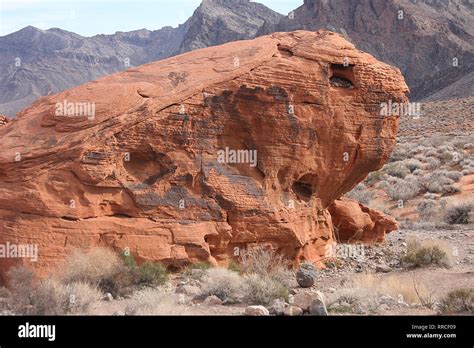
(145, 159)
(355, 223)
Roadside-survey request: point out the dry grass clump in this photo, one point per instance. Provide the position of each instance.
(266, 262)
(34, 296)
(83, 279)
(394, 285)
(154, 302)
(111, 273)
(458, 301)
(264, 289)
(92, 266)
(428, 252)
(265, 277)
(223, 283)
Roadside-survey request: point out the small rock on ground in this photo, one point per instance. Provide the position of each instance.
(256, 311)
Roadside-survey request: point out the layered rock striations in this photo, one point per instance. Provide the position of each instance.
(201, 155)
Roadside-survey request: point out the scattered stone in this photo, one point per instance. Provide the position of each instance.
(256, 311)
(318, 307)
(108, 297)
(212, 301)
(292, 311)
(306, 275)
(382, 268)
(277, 307)
(302, 300)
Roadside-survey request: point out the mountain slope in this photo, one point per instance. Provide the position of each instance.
(53, 60)
(422, 40)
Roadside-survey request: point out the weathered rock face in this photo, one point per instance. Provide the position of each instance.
(354, 222)
(151, 169)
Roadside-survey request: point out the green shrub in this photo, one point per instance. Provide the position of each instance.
(201, 265)
(234, 266)
(151, 273)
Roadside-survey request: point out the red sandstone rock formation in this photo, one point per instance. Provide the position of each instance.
(354, 222)
(142, 172)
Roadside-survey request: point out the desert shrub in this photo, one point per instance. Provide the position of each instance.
(50, 297)
(431, 163)
(264, 289)
(22, 282)
(401, 189)
(459, 212)
(453, 175)
(151, 273)
(92, 266)
(201, 265)
(54, 298)
(262, 261)
(153, 302)
(397, 169)
(440, 181)
(31, 296)
(374, 177)
(398, 154)
(120, 283)
(427, 252)
(234, 266)
(225, 284)
(431, 152)
(412, 164)
(458, 301)
(80, 296)
(427, 209)
(360, 194)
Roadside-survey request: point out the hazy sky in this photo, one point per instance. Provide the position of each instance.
(90, 17)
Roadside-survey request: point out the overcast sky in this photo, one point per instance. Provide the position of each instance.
(90, 17)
